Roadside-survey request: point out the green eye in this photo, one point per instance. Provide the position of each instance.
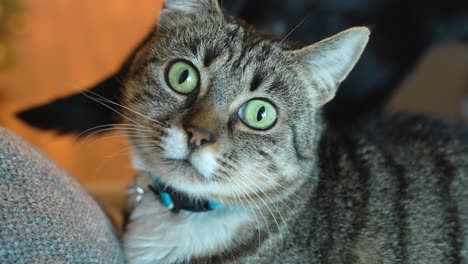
(182, 77)
(258, 114)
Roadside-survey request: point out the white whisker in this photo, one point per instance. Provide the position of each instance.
(294, 29)
(124, 107)
(112, 109)
(108, 126)
(253, 210)
(263, 201)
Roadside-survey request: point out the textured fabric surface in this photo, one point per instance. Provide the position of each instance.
(45, 216)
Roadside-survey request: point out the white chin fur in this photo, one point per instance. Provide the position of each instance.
(156, 235)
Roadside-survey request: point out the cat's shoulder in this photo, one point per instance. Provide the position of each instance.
(404, 128)
(415, 127)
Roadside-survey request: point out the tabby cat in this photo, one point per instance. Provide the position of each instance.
(218, 114)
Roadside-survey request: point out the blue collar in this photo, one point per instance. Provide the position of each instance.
(176, 200)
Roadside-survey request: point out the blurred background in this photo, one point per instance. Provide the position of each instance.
(53, 48)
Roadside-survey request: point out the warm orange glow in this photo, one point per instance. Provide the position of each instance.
(62, 47)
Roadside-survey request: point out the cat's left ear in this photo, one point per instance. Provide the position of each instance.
(173, 8)
(327, 63)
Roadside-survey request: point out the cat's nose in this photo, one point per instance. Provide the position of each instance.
(198, 137)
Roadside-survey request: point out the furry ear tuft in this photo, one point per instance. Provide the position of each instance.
(330, 61)
(172, 8)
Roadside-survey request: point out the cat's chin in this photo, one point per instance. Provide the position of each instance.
(180, 174)
(185, 179)
(168, 168)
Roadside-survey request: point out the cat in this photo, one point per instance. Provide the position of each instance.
(238, 165)
(403, 31)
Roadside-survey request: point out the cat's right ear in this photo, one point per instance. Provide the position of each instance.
(173, 9)
(327, 63)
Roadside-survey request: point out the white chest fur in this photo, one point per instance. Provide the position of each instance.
(156, 235)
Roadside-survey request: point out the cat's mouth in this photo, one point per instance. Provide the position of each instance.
(199, 166)
(202, 165)
(183, 163)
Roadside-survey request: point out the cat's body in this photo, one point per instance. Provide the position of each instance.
(391, 190)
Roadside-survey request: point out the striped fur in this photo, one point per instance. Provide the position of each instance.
(390, 189)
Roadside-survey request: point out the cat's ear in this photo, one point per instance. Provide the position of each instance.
(328, 62)
(174, 8)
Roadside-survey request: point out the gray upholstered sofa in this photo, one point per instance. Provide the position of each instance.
(45, 215)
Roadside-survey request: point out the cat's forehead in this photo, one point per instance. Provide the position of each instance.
(233, 56)
(212, 38)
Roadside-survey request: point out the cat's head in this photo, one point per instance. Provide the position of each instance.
(220, 112)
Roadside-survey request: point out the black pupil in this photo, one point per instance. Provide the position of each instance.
(261, 113)
(183, 76)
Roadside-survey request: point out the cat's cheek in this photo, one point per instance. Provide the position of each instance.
(175, 144)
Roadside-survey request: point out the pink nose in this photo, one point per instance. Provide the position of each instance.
(198, 137)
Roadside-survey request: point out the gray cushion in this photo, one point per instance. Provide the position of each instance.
(45, 215)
